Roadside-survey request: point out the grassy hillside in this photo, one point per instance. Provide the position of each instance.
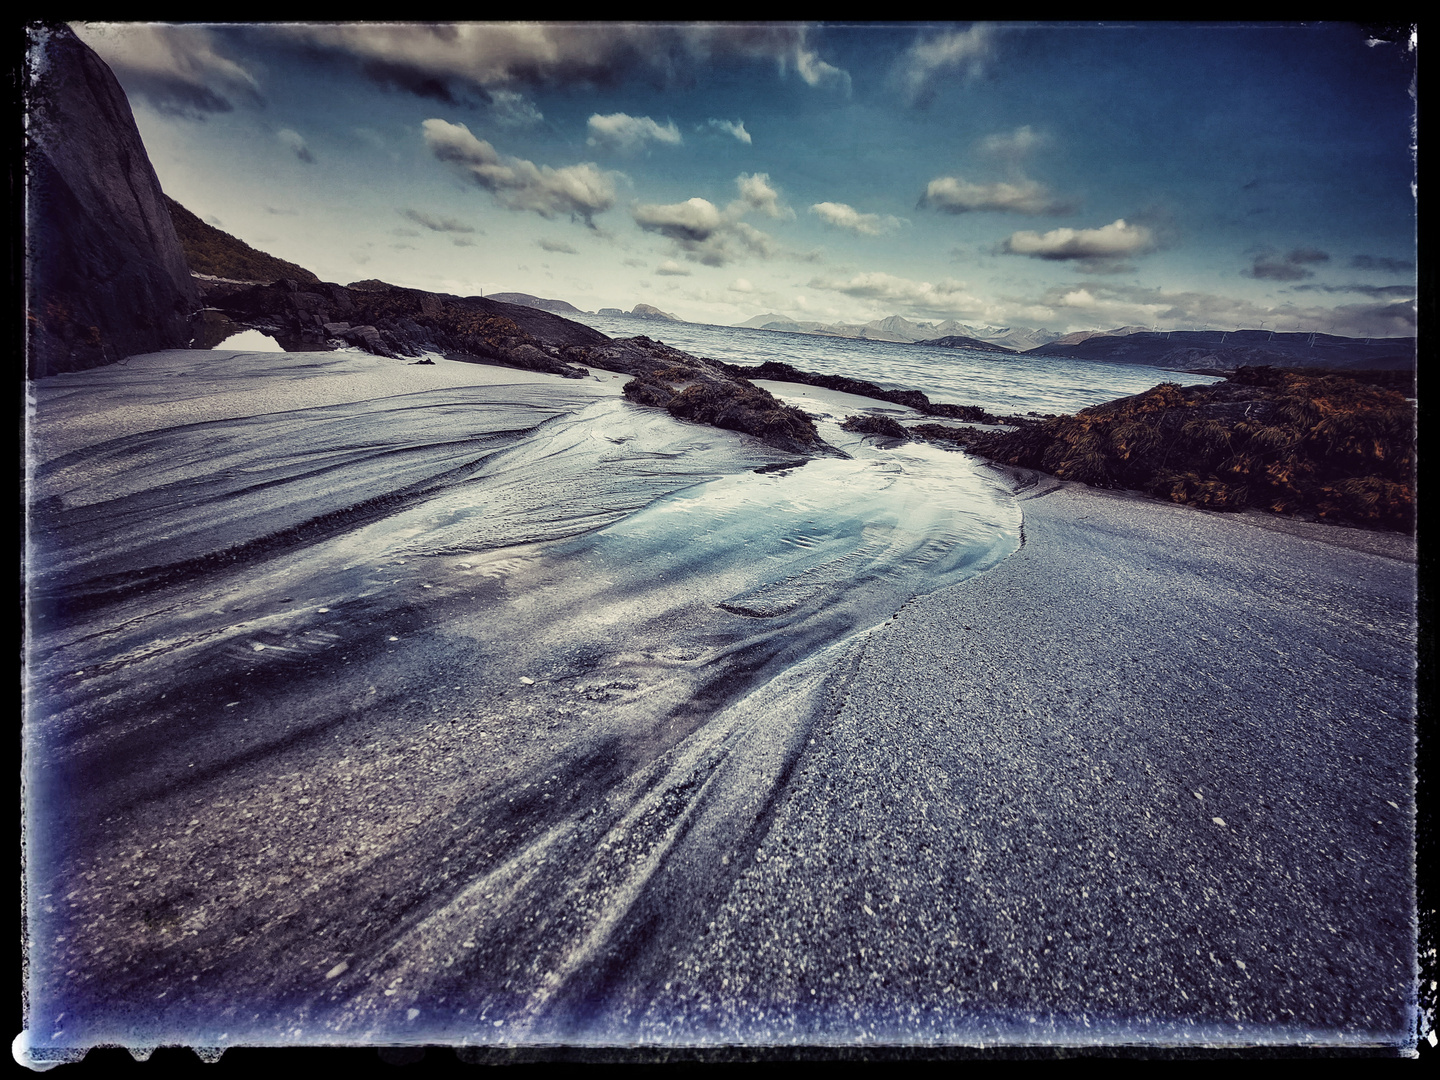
(210, 251)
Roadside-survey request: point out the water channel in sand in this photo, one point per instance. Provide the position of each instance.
(617, 626)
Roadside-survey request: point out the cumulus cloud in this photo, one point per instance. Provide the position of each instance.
(1095, 247)
(557, 246)
(180, 70)
(295, 143)
(742, 285)
(436, 224)
(843, 216)
(732, 127)
(705, 233)
(581, 191)
(437, 58)
(1275, 267)
(757, 194)
(955, 195)
(670, 268)
(619, 131)
(958, 50)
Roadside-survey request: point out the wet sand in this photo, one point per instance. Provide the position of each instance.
(1149, 778)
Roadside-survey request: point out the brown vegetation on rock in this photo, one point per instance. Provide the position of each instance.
(874, 424)
(1291, 442)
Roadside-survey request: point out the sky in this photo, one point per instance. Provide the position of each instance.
(1048, 176)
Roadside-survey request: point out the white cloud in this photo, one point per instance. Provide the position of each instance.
(757, 194)
(742, 285)
(1021, 196)
(732, 127)
(966, 50)
(706, 234)
(295, 143)
(694, 220)
(619, 131)
(817, 72)
(843, 216)
(578, 190)
(1109, 242)
(670, 268)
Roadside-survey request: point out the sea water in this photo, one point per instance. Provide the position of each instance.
(1004, 383)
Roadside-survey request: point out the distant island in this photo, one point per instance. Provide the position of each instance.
(643, 311)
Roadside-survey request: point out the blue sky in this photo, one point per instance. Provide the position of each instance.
(1066, 177)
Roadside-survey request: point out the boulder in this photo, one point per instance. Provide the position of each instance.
(106, 277)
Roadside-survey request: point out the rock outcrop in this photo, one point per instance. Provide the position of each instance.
(1336, 447)
(912, 399)
(392, 321)
(105, 274)
(559, 307)
(956, 341)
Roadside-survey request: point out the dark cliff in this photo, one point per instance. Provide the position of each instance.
(105, 274)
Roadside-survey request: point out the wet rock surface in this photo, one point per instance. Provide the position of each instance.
(913, 399)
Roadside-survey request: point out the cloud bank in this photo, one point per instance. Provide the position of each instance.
(581, 191)
(177, 69)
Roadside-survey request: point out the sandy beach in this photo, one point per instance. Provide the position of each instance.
(1140, 774)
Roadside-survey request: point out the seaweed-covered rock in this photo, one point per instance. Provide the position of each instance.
(873, 424)
(703, 390)
(1293, 442)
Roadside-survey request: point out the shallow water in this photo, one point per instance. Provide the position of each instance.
(1003, 383)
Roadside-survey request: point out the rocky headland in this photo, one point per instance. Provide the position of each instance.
(106, 276)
